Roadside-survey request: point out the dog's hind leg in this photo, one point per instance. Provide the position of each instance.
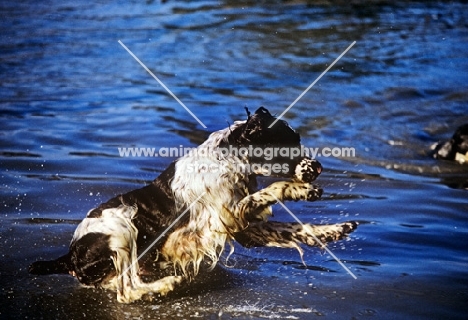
(292, 234)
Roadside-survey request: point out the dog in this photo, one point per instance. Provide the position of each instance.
(202, 202)
(455, 149)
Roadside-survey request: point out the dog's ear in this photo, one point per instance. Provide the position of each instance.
(91, 258)
(262, 118)
(263, 112)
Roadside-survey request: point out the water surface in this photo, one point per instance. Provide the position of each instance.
(70, 95)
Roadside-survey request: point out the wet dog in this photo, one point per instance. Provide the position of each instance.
(201, 202)
(454, 149)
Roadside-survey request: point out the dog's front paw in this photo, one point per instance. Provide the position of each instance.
(303, 191)
(307, 170)
(315, 193)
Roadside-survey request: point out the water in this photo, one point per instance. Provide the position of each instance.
(71, 95)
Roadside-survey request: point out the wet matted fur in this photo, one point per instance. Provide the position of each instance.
(213, 199)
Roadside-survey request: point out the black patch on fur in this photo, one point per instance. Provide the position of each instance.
(91, 258)
(156, 210)
(286, 235)
(458, 144)
(256, 132)
(247, 241)
(349, 227)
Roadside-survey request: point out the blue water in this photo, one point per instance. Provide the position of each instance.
(70, 95)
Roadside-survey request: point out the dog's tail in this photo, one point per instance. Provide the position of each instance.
(57, 266)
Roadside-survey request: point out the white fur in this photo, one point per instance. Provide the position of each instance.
(114, 221)
(117, 222)
(213, 218)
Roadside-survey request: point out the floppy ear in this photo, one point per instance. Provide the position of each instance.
(262, 118)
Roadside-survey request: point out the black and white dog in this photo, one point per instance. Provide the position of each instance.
(204, 200)
(455, 148)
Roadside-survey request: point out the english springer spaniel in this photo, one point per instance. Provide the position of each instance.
(186, 216)
(454, 149)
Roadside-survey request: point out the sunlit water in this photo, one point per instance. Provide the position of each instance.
(71, 95)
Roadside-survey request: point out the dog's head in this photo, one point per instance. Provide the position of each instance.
(274, 150)
(90, 259)
(257, 131)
